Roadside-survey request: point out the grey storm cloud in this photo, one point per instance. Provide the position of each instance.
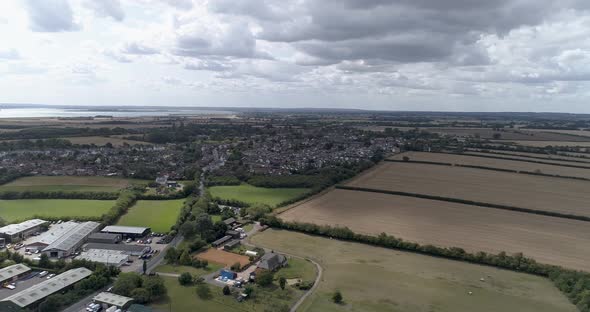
(398, 31)
(50, 16)
(107, 8)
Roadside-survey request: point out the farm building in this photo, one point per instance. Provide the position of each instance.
(230, 222)
(132, 250)
(16, 232)
(67, 244)
(28, 297)
(232, 233)
(108, 257)
(13, 272)
(272, 261)
(45, 239)
(220, 241)
(232, 244)
(104, 238)
(127, 231)
(111, 299)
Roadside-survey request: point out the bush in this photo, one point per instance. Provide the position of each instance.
(226, 290)
(337, 297)
(185, 279)
(264, 278)
(204, 292)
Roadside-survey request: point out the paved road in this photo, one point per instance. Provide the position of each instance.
(319, 268)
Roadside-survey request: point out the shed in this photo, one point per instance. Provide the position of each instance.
(113, 299)
(127, 231)
(220, 241)
(104, 238)
(232, 233)
(232, 244)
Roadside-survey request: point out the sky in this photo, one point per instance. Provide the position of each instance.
(451, 55)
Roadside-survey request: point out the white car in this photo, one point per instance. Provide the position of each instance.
(50, 276)
(43, 273)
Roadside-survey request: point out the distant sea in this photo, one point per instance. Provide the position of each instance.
(126, 112)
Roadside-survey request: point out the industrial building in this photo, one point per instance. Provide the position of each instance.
(11, 273)
(47, 238)
(221, 241)
(16, 232)
(127, 231)
(34, 294)
(232, 244)
(132, 250)
(104, 238)
(111, 299)
(108, 257)
(67, 244)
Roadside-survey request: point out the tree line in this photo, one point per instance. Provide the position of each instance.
(574, 284)
(58, 195)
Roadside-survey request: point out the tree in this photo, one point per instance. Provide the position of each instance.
(155, 286)
(226, 290)
(140, 295)
(51, 304)
(144, 267)
(126, 283)
(248, 290)
(172, 255)
(185, 258)
(235, 267)
(44, 261)
(264, 278)
(185, 279)
(282, 282)
(337, 297)
(203, 291)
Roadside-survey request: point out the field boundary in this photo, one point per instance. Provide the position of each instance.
(511, 153)
(14, 195)
(486, 168)
(467, 202)
(521, 160)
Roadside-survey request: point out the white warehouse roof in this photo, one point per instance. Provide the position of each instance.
(70, 239)
(48, 287)
(55, 231)
(112, 257)
(124, 229)
(11, 271)
(16, 228)
(112, 299)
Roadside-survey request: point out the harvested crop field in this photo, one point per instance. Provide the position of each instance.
(496, 163)
(571, 158)
(378, 279)
(564, 196)
(566, 162)
(542, 143)
(547, 239)
(222, 257)
(69, 184)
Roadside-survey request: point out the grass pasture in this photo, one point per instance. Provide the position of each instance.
(511, 189)
(69, 184)
(21, 209)
(256, 195)
(159, 215)
(549, 240)
(378, 279)
(500, 163)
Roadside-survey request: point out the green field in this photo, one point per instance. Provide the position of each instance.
(22, 209)
(69, 184)
(159, 215)
(253, 195)
(298, 269)
(183, 298)
(378, 279)
(179, 269)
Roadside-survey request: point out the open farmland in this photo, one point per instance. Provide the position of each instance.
(511, 189)
(547, 239)
(568, 162)
(584, 133)
(159, 215)
(21, 209)
(576, 158)
(497, 163)
(543, 143)
(378, 279)
(100, 141)
(256, 195)
(69, 184)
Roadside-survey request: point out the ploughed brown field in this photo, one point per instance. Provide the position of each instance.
(512, 189)
(497, 163)
(549, 240)
(526, 155)
(553, 161)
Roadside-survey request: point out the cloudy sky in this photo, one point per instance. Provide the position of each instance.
(499, 55)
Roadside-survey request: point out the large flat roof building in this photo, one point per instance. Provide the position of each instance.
(113, 299)
(19, 231)
(10, 273)
(54, 233)
(109, 257)
(132, 250)
(40, 291)
(127, 231)
(67, 244)
(104, 238)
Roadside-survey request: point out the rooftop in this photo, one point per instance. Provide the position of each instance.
(12, 271)
(74, 236)
(124, 229)
(54, 232)
(48, 287)
(103, 256)
(117, 247)
(112, 299)
(16, 228)
(104, 236)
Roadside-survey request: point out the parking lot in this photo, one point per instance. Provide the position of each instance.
(21, 284)
(137, 264)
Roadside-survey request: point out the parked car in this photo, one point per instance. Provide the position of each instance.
(50, 276)
(43, 273)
